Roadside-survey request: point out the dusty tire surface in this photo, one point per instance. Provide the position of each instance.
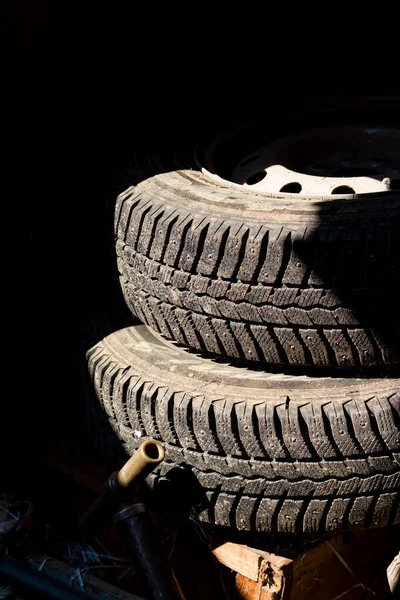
(272, 452)
(275, 279)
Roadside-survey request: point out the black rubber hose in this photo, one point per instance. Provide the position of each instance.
(141, 540)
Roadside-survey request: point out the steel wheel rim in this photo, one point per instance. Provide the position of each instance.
(327, 162)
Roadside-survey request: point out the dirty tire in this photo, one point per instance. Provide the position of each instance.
(271, 452)
(277, 279)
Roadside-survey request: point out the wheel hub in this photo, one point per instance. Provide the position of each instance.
(344, 160)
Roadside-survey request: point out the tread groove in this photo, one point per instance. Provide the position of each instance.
(241, 254)
(346, 516)
(279, 432)
(168, 236)
(328, 347)
(329, 433)
(286, 255)
(254, 341)
(376, 347)
(370, 513)
(138, 401)
(306, 349)
(200, 247)
(235, 504)
(375, 427)
(182, 243)
(325, 513)
(170, 416)
(213, 428)
(281, 351)
(305, 434)
(262, 255)
(302, 512)
(236, 434)
(253, 516)
(140, 226)
(238, 347)
(352, 431)
(221, 252)
(119, 215)
(275, 517)
(221, 349)
(353, 347)
(189, 423)
(256, 430)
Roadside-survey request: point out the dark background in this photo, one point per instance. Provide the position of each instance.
(85, 89)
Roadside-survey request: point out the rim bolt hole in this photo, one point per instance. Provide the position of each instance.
(343, 189)
(291, 188)
(256, 177)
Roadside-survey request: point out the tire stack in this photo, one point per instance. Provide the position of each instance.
(266, 357)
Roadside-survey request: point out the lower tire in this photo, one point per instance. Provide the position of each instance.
(272, 452)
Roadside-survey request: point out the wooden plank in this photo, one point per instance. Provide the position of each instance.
(239, 559)
(393, 574)
(246, 589)
(260, 574)
(344, 564)
(248, 561)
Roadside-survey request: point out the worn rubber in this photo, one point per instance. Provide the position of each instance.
(283, 280)
(272, 452)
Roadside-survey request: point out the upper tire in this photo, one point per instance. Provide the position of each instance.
(277, 279)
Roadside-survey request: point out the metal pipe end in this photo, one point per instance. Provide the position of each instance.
(153, 451)
(149, 454)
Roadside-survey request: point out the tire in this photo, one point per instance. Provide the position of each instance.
(283, 280)
(271, 452)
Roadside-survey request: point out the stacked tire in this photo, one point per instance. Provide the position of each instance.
(265, 350)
